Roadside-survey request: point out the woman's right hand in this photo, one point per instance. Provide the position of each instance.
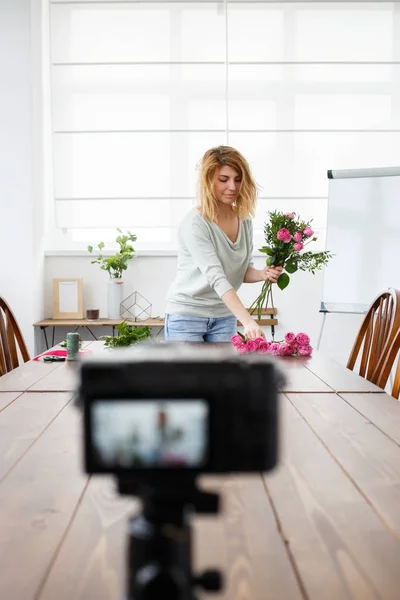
(252, 330)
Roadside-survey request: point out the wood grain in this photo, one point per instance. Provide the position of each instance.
(341, 548)
(30, 373)
(256, 567)
(6, 398)
(37, 500)
(322, 526)
(26, 375)
(63, 379)
(22, 423)
(383, 410)
(370, 458)
(336, 376)
(298, 378)
(91, 562)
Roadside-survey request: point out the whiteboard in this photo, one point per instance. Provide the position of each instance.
(363, 231)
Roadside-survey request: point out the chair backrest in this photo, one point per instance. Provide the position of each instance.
(3, 368)
(375, 336)
(393, 352)
(268, 316)
(11, 340)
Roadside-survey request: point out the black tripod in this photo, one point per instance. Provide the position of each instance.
(159, 540)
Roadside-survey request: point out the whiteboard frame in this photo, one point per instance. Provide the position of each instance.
(359, 173)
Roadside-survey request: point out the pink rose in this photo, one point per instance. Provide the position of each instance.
(290, 337)
(264, 346)
(291, 350)
(283, 349)
(259, 341)
(273, 348)
(289, 215)
(284, 235)
(308, 231)
(298, 246)
(242, 349)
(236, 340)
(304, 350)
(286, 349)
(298, 236)
(252, 346)
(302, 339)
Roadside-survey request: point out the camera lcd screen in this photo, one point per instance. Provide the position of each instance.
(142, 434)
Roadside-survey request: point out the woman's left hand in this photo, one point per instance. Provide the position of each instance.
(271, 273)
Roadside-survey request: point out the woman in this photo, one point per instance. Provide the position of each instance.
(215, 246)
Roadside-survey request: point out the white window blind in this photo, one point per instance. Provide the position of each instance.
(141, 89)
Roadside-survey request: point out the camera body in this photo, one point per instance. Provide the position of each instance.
(163, 409)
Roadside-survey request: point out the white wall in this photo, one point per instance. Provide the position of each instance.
(16, 229)
(298, 305)
(21, 172)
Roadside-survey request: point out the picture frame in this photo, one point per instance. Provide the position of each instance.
(67, 298)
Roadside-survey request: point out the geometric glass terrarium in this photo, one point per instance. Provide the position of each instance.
(135, 307)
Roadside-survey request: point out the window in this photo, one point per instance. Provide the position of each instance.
(141, 89)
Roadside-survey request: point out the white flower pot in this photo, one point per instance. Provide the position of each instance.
(115, 295)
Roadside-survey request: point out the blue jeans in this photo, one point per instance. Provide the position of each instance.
(185, 328)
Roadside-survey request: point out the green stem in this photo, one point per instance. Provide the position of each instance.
(262, 299)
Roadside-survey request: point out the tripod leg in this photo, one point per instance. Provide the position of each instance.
(159, 561)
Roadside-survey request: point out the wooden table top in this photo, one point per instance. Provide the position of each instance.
(310, 374)
(324, 525)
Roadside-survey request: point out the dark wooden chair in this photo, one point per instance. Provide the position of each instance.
(12, 343)
(3, 369)
(375, 337)
(391, 355)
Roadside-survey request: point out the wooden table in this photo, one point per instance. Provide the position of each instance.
(76, 324)
(324, 525)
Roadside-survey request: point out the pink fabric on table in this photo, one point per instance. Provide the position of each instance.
(60, 353)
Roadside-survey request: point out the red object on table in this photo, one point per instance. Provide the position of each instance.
(60, 353)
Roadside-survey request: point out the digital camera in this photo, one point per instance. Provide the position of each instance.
(179, 408)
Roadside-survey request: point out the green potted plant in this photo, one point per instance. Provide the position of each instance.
(115, 265)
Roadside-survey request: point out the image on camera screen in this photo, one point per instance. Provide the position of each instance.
(150, 433)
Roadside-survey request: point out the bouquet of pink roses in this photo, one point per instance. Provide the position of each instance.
(293, 345)
(286, 235)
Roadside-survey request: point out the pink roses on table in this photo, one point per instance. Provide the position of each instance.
(304, 350)
(293, 345)
(236, 340)
(290, 338)
(302, 339)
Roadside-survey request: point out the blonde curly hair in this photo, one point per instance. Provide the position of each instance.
(212, 160)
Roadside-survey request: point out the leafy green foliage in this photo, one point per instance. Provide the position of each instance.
(128, 335)
(116, 264)
(283, 281)
(291, 266)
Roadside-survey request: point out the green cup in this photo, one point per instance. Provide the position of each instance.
(72, 346)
